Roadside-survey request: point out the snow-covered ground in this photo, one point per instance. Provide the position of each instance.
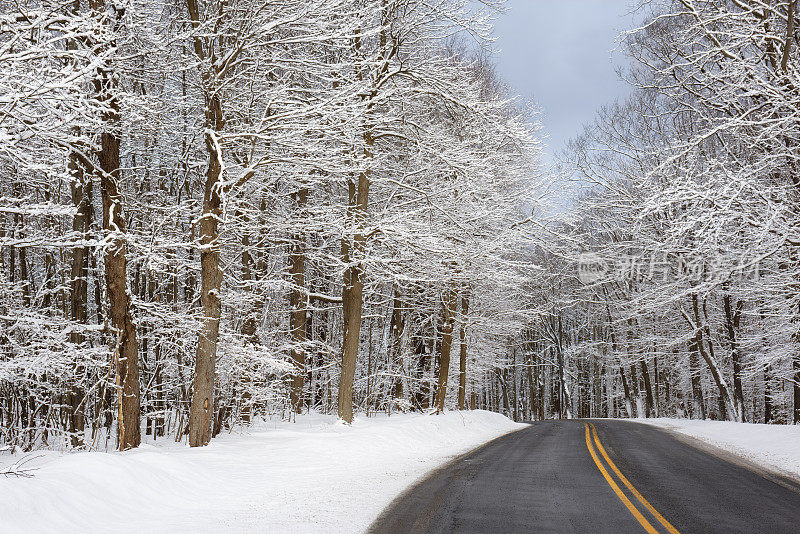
(314, 475)
(775, 447)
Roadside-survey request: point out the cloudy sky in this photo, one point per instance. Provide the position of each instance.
(559, 53)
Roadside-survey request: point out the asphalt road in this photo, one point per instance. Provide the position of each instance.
(556, 477)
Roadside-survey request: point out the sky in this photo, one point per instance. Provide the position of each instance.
(559, 54)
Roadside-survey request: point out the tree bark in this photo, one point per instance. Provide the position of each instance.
(698, 405)
(534, 401)
(249, 327)
(462, 360)
(656, 388)
(353, 289)
(503, 392)
(700, 326)
(768, 394)
(358, 193)
(201, 410)
(731, 326)
(396, 328)
(202, 407)
(648, 389)
(421, 396)
(615, 349)
(79, 264)
(796, 389)
(515, 383)
(449, 303)
(299, 307)
(125, 347)
(565, 407)
(627, 392)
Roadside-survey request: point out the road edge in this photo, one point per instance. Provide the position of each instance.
(787, 479)
(436, 471)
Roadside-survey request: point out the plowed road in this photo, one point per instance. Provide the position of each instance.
(599, 476)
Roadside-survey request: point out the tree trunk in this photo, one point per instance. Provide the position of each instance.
(299, 308)
(656, 388)
(503, 392)
(352, 289)
(615, 349)
(796, 389)
(731, 326)
(79, 266)
(249, 327)
(698, 405)
(635, 391)
(462, 360)
(449, 303)
(514, 378)
(125, 351)
(422, 356)
(201, 410)
(700, 326)
(565, 402)
(202, 407)
(796, 386)
(125, 348)
(396, 328)
(250, 323)
(627, 392)
(768, 394)
(565, 408)
(648, 389)
(534, 401)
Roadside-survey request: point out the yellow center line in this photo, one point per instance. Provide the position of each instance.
(628, 504)
(667, 524)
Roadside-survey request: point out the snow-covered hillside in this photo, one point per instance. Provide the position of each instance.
(775, 447)
(314, 475)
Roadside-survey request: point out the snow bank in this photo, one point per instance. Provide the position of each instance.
(776, 447)
(315, 475)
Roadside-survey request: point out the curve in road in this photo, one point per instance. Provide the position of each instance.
(595, 476)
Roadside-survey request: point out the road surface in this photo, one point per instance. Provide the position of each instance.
(600, 476)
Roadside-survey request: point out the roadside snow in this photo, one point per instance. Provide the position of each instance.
(773, 446)
(315, 475)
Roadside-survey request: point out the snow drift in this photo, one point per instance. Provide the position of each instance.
(315, 475)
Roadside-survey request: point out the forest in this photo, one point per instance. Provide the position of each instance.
(214, 211)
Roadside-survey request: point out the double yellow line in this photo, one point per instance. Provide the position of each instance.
(621, 494)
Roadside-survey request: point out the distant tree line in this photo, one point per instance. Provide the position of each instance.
(688, 215)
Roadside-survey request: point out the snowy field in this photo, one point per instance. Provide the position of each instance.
(314, 475)
(775, 447)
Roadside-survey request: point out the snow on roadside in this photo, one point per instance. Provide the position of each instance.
(315, 475)
(773, 446)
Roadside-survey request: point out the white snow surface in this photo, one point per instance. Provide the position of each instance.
(313, 475)
(776, 447)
